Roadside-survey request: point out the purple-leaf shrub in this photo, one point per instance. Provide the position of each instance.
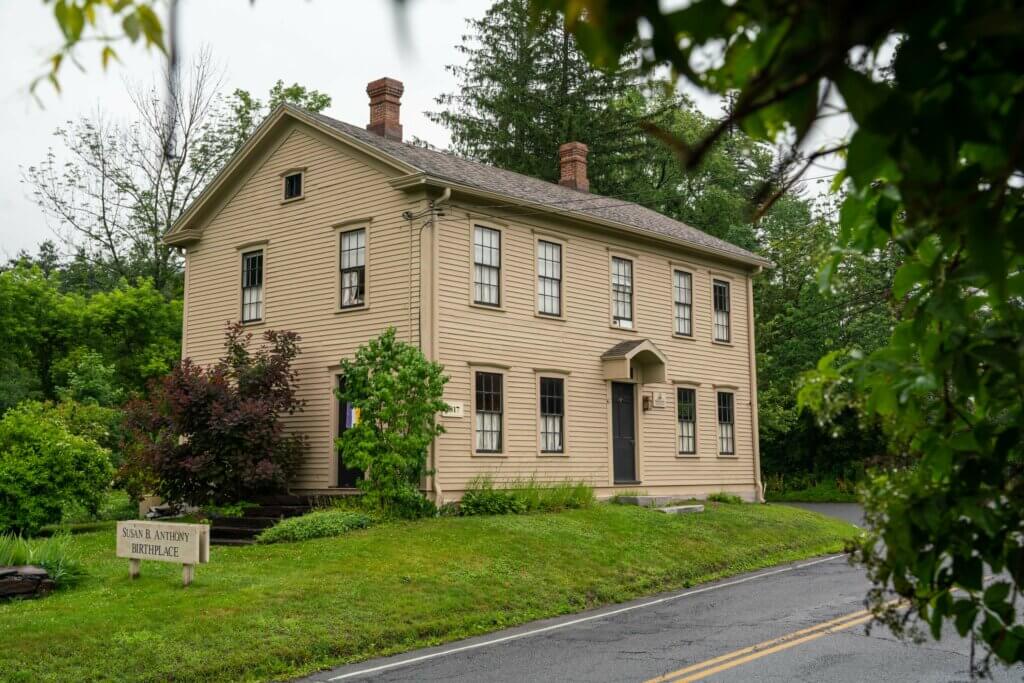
(214, 434)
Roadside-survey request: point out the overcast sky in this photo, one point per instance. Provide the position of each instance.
(335, 47)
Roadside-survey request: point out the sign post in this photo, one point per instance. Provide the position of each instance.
(184, 544)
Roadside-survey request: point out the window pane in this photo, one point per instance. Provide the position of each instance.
(252, 286)
(721, 302)
(683, 288)
(622, 290)
(353, 268)
(552, 414)
(487, 266)
(549, 278)
(293, 185)
(726, 442)
(686, 405)
(488, 411)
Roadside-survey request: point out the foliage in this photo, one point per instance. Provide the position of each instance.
(723, 497)
(44, 469)
(398, 394)
(50, 334)
(933, 174)
(55, 554)
(482, 574)
(214, 434)
(316, 524)
(90, 381)
(802, 487)
(125, 184)
(117, 505)
(521, 496)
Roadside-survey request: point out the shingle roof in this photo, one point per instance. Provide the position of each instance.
(622, 348)
(447, 166)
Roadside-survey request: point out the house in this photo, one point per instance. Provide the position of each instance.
(586, 337)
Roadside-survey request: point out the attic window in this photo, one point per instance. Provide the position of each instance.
(293, 186)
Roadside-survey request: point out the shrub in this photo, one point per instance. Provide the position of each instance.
(483, 498)
(90, 380)
(723, 497)
(44, 469)
(53, 554)
(214, 435)
(234, 510)
(317, 524)
(398, 394)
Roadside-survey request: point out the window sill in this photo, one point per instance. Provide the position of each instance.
(351, 309)
(292, 200)
(622, 329)
(545, 316)
(543, 454)
(687, 456)
(253, 323)
(486, 307)
(687, 337)
(719, 342)
(727, 456)
(477, 454)
(635, 482)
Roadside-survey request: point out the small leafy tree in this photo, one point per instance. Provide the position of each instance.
(214, 434)
(44, 469)
(398, 394)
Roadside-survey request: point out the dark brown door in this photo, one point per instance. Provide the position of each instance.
(624, 433)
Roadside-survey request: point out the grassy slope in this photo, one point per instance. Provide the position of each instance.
(281, 610)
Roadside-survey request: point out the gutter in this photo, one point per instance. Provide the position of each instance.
(422, 179)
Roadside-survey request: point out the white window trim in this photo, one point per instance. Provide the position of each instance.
(720, 389)
(337, 229)
(538, 238)
(683, 268)
(564, 376)
(242, 249)
(502, 290)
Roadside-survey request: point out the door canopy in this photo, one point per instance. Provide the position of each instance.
(639, 360)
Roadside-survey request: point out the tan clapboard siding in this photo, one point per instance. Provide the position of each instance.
(300, 277)
(516, 338)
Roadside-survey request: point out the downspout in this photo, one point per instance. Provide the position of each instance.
(752, 354)
(432, 293)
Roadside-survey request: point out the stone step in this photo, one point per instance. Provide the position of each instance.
(231, 541)
(681, 509)
(249, 522)
(648, 501)
(277, 511)
(219, 532)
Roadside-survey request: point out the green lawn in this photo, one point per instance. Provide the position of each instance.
(276, 611)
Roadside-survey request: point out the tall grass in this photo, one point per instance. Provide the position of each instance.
(53, 554)
(517, 496)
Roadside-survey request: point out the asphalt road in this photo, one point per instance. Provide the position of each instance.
(806, 620)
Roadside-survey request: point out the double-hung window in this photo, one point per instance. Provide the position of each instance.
(686, 407)
(353, 268)
(622, 292)
(486, 266)
(683, 288)
(552, 415)
(489, 408)
(726, 420)
(252, 286)
(721, 305)
(549, 278)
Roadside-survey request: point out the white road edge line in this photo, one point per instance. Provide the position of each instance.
(573, 622)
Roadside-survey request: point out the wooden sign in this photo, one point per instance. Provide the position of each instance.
(184, 544)
(453, 409)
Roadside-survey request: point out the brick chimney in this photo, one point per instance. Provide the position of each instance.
(572, 157)
(385, 101)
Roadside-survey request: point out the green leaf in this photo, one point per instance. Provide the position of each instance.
(861, 94)
(909, 274)
(132, 27)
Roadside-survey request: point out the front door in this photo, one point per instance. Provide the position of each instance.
(624, 432)
(347, 417)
